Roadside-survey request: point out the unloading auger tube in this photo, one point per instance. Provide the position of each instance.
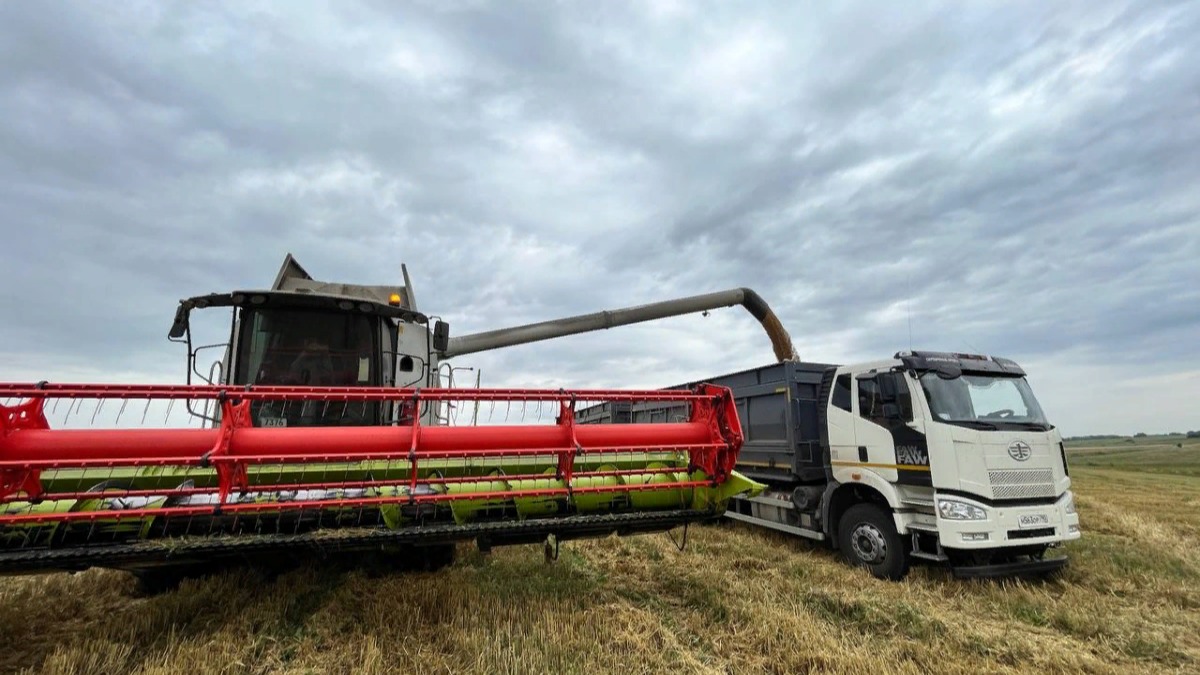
(781, 341)
(135, 498)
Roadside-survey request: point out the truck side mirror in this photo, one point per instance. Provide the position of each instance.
(891, 411)
(441, 336)
(887, 387)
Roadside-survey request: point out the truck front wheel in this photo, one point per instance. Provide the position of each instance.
(867, 537)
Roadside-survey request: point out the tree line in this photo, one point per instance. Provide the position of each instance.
(1140, 434)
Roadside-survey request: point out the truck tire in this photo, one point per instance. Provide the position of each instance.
(867, 537)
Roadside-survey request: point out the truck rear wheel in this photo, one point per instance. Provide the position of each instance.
(867, 537)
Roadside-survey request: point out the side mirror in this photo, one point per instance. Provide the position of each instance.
(891, 410)
(441, 336)
(887, 387)
(180, 325)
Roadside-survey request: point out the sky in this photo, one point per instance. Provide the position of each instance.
(1011, 178)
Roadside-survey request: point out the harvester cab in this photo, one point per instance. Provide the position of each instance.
(308, 333)
(323, 427)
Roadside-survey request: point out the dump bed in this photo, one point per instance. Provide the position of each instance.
(781, 410)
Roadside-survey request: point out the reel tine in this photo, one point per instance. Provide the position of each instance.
(99, 404)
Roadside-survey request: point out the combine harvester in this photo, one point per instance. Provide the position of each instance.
(328, 426)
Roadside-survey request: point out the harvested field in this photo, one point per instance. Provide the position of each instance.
(736, 600)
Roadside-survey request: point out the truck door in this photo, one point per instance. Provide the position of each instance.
(887, 435)
(840, 419)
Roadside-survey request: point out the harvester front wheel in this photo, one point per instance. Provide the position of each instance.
(867, 537)
(434, 558)
(156, 581)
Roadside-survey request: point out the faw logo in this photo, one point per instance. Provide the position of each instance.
(912, 455)
(1020, 451)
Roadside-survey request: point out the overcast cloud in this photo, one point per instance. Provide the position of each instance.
(1017, 178)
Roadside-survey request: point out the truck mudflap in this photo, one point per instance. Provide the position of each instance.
(1021, 568)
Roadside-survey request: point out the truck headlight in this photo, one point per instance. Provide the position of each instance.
(1070, 507)
(952, 509)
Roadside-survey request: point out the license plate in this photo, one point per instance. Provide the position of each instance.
(1033, 520)
(272, 421)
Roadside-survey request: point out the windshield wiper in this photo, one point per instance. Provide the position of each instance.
(975, 424)
(1035, 426)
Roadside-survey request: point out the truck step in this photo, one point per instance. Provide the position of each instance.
(937, 555)
(790, 529)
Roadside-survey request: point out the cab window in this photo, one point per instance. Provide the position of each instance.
(884, 399)
(311, 348)
(869, 404)
(841, 392)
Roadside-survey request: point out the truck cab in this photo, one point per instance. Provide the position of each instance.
(959, 451)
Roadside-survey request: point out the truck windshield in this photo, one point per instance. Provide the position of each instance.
(983, 401)
(308, 348)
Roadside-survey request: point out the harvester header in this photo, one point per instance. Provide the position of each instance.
(138, 497)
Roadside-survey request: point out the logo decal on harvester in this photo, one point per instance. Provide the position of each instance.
(1020, 451)
(912, 455)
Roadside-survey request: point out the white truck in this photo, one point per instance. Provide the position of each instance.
(935, 456)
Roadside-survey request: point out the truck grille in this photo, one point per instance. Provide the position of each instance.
(1022, 483)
